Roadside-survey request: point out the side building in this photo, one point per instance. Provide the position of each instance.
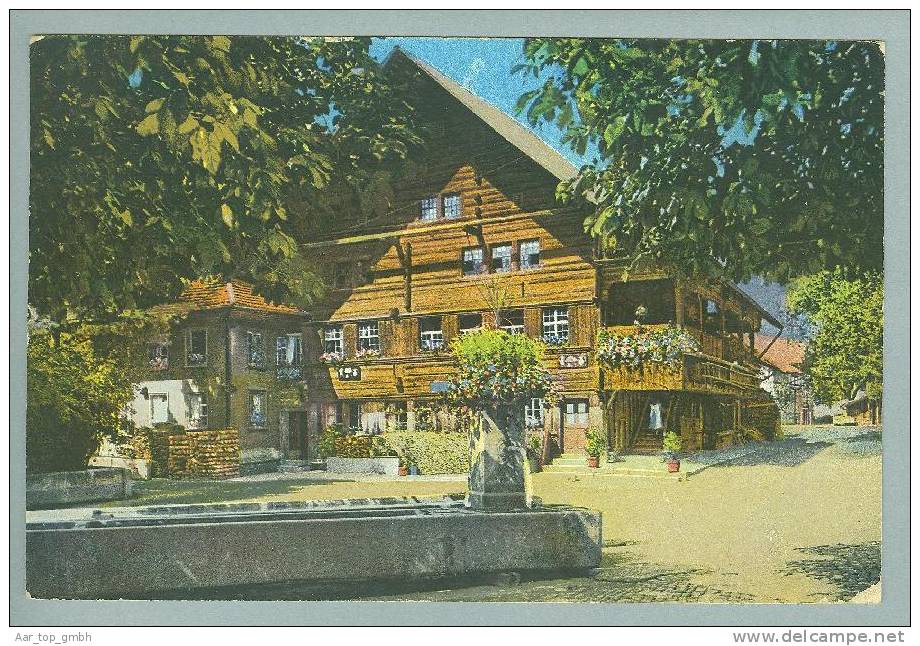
(232, 360)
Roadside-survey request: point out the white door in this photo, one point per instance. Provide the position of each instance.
(159, 408)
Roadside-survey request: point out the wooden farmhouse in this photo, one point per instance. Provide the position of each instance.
(474, 236)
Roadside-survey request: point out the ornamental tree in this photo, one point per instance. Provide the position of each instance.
(725, 157)
(158, 158)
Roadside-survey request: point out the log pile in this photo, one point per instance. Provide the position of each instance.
(214, 453)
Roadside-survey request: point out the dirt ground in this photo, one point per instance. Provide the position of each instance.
(798, 520)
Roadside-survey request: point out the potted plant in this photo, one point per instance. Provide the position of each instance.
(595, 444)
(671, 447)
(403, 466)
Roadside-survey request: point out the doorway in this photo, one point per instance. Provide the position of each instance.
(298, 439)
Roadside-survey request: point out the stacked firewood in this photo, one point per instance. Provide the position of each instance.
(214, 453)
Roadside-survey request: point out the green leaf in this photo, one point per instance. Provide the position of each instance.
(149, 126)
(226, 214)
(581, 67)
(613, 130)
(188, 125)
(154, 105)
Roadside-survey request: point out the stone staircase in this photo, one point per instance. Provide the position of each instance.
(567, 462)
(632, 465)
(293, 466)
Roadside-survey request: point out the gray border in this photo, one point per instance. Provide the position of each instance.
(889, 26)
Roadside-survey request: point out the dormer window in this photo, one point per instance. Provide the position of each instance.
(453, 206)
(429, 208)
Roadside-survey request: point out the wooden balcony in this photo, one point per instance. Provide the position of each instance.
(696, 373)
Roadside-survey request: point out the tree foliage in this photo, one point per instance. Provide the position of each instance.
(844, 351)
(158, 158)
(731, 158)
(79, 385)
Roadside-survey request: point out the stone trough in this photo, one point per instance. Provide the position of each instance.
(194, 551)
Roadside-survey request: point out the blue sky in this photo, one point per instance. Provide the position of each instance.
(483, 66)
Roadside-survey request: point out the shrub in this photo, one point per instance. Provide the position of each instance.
(494, 366)
(432, 453)
(325, 448)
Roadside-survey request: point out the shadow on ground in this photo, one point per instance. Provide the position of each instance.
(848, 568)
(789, 452)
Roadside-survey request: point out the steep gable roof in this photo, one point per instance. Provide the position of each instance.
(518, 135)
(786, 355)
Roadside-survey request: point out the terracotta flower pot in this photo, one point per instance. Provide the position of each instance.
(673, 466)
(403, 471)
(593, 462)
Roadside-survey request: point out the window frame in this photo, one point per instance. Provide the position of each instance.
(434, 201)
(189, 342)
(158, 360)
(249, 409)
(551, 327)
(482, 261)
(576, 419)
(203, 407)
(513, 328)
(505, 268)
(467, 330)
(524, 266)
(340, 339)
(250, 346)
(369, 347)
(531, 420)
(437, 335)
(459, 210)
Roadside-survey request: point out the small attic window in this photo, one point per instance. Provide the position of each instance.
(429, 208)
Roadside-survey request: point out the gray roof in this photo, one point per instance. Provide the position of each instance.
(515, 133)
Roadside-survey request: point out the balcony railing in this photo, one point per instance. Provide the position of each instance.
(696, 372)
(708, 371)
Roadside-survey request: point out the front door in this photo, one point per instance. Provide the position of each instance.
(297, 434)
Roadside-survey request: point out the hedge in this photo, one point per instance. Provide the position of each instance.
(431, 452)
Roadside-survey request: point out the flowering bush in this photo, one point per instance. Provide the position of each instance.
(496, 367)
(667, 346)
(331, 357)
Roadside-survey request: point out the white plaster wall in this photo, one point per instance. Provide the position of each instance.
(177, 406)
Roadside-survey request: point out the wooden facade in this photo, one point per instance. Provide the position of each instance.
(401, 273)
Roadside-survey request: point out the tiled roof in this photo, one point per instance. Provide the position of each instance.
(204, 295)
(786, 355)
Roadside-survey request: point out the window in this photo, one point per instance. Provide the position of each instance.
(258, 408)
(530, 254)
(453, 206)
(712, 317)
(332, 340)
(470, 322)
(430, 208)
(159, 408)
(158, 354)
(255, 345)
(400, 416)
(533, 412)
(556, 325)
(501, 258)
(196, 347)
(369, 336)
(289, 354)
(430, 335)
(656, 297)
(197, 411)
(512, 321)
(576, 412)
(354, 416)
(472, 261)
